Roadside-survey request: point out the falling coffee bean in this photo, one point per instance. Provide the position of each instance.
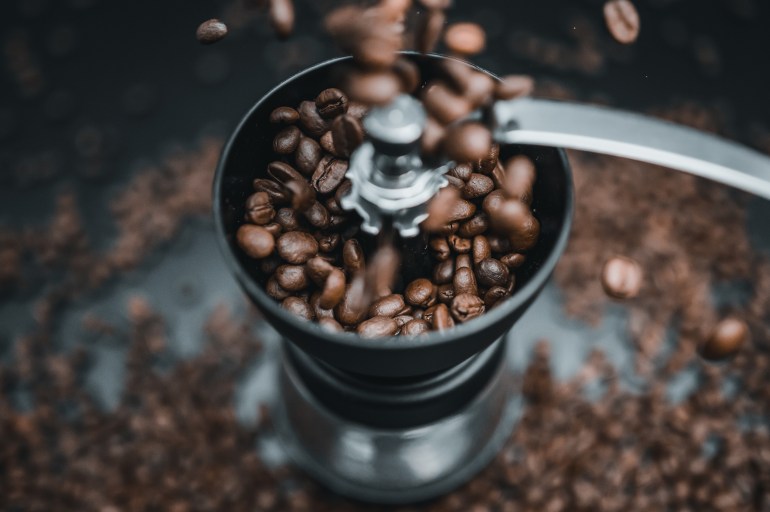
(726, 340)
(514, 86)
(282, 17)
(622, 20)
(467, 142)
(211, 31)
(428, 31)
(465, 38)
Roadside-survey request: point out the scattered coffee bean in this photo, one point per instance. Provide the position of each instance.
(622, 278)
(211, 31)
(255, 241)
(331, 103)
(297, 247)
(622, 20)
(465, 38)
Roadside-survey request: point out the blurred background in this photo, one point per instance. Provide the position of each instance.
(117, 309)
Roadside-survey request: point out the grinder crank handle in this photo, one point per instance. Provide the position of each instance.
(615, 132)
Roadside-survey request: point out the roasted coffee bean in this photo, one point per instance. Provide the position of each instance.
(525, 236)
(467, 307)
(427, 314)
(331, 103)
(498, 176)
(311, 121)
(287, 140)
(441, 318)
(353, 256)
(432, 136)
(508, 216)
(302, 195)
(327, 242)
(465, 38)
(622, 20)
(409, 74)
(327, 144)
(513, 260)
(727, 338)
(462, 171)
(373, 87)
(284, 115)
(318, 311)
(276, 192)
(333, 206)
(255, 241)
(347, 134)
(440, 209)
(455, 182)
(459, 244)
(270, 264)
(448, 229)
(477, 186)
(307, 156)
(520, 177)
(487, 164)
(416, 327)
(494, 295)
(493, 201)
(273, 289)
(342, 190)
(440, 248)
(481, 249)
(476, 87)
(211, 31)
(436, 4)
(377, 327)
(420, 293)
(337, 221)
(329, 174)
(299, 307)
(446, 106)
(283, 172)
(291, 277)
(317, 215)
(382, 269)
(258, 208)
(622, 277)
(402, 320)
(492, 272)
(318, 269)
(461, 210)
(445, 293)
(477, 225)
(428, 30)
(282, 17)
(465, 282)
(463, 261)
(514, 86)
(444, 271)
(330, 324)
(353, 307)
(288, 219)
(297, 247)
(389, 306)
(274, 229)
(467, 142)
(417, 312)
(333, 290)
(499, 244)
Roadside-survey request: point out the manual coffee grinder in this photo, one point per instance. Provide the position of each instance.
(401, 420)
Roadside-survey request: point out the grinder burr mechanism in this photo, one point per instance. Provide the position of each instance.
(397, 420)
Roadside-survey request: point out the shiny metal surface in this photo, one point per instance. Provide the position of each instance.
(394, 466)
(390, 183)
(634, 136)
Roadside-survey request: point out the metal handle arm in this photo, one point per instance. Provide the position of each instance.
(637, 137)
